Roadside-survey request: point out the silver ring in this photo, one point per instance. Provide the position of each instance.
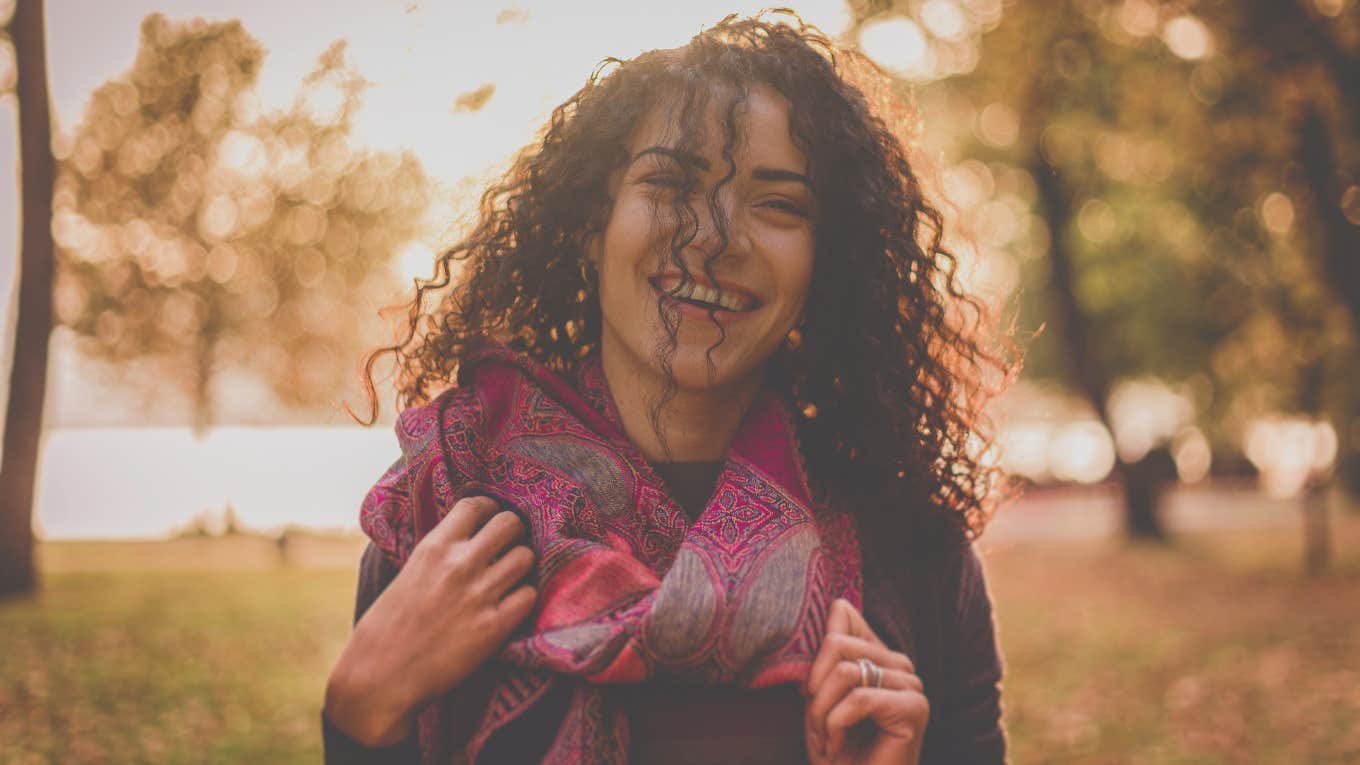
(870, 674)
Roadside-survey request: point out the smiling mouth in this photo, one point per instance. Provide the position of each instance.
(704, 296)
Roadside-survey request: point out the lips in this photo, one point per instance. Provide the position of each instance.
(701, 293)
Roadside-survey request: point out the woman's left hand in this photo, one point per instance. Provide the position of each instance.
(848, 722)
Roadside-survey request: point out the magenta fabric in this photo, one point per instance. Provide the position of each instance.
(628, 590)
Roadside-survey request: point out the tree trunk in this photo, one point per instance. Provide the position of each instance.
(1338, 246)
(33, 330)
(1145, 482)
(1142, 520)
(202, 385)
(1317, 534)
(1142, 487)
(1141, 496)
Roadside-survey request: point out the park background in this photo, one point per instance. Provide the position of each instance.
(1170, 190)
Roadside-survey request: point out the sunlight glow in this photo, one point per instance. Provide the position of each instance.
(1289, 451)
(998, 124)
(1193, 456)
(242, 153)
(1147, 413)
(1138, 17)
(1188, 38)
(1277, 213)
(944, 19)
(1024, 450)
(897, 44)
(1330, 8)
(1082, 452)
(416, 261)
(1350, 204)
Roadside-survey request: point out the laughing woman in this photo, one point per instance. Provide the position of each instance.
(690, 444)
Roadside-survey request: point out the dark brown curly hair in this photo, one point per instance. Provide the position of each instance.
(894, 363)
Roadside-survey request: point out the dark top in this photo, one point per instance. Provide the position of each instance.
(935, 610)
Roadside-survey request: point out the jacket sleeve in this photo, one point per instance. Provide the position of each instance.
(965, 712)
(375, 573)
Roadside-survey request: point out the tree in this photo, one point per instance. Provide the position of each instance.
(199, 237)
(1313, 64)
(28, 374)
(1143, 179)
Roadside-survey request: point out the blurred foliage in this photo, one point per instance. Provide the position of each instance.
(1173, 127)
(198, 236)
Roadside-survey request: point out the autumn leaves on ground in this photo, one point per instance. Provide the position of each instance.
(1216, 650)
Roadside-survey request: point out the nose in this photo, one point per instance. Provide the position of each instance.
(720, 227)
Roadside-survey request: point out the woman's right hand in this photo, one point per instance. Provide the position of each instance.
(449, 609)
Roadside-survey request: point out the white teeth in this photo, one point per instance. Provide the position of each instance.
(709, 295)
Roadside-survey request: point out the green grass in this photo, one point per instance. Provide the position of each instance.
(202, 667)
(1214, 651)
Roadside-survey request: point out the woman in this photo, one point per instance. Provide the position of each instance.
(705, 487)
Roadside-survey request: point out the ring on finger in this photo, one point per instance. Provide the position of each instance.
(870, 674)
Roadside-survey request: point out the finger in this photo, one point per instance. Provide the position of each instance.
(498, 533)
(839, 618)
(464, 518)
(844, 678)
(859, 627)
(508, 569)
(838, 647)
(837, 623)
(514, 607)
(900, 714)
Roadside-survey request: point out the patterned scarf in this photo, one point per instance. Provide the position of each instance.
(628, 590)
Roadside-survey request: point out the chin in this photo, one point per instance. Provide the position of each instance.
(691, 370)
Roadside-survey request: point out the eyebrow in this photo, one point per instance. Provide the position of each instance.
(694, 160)
(774, 174)
(683, 157)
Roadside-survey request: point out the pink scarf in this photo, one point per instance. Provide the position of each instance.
(626, 591)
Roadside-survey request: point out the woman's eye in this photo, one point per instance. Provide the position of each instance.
(786, 206)
(664, 180)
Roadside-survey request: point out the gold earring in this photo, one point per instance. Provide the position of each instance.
(794, 338)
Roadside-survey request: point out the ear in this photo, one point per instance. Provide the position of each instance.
(593, 247)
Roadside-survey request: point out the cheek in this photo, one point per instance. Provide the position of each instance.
(629, 231)
(630, 253)
(794, 272)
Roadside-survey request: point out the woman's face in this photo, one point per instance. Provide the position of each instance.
(763, 271)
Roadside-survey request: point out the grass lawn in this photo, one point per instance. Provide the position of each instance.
(1213, 651)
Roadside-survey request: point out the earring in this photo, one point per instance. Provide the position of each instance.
(794, 339)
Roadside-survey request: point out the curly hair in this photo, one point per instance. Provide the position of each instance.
(894, 362)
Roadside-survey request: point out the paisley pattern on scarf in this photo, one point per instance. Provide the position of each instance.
(627, 589)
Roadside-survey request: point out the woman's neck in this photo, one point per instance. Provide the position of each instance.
(699, 424)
